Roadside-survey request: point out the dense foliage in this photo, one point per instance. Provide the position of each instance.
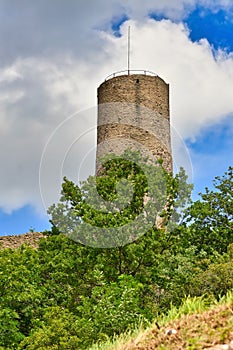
(65, 295)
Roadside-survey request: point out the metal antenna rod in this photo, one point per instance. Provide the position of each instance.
(128, 49)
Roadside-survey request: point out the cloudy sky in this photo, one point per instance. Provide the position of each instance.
(54, 55)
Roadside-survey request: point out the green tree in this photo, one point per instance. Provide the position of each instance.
(58, 330)
(65, 295)
(10, 334)
(20, 289)
(210, 219)
(130, 197)
(141, 258)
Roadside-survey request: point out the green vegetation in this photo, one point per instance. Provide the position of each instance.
(197, 323)
(67, 295)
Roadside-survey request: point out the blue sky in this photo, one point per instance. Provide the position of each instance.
(23, 220)
(215, 27)
(211, 155)
(52, 61)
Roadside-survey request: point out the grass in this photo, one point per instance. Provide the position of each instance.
(200, 323)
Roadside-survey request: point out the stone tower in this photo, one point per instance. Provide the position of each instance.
(133, 112)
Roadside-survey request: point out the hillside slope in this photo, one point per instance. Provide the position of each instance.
(194, 326)
(208, 330)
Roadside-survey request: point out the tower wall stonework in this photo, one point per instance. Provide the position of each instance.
(133, 112)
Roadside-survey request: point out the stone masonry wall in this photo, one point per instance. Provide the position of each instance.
(14, 241)
(133, 110)
(149, 91)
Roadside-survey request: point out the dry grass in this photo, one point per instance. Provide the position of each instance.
(197, 331)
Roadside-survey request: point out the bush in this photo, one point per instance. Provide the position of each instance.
(10, 334)
(217, 279)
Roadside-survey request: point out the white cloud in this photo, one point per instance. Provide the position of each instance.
(216, 5)
(174, 9)
(45, 28)
(55, 72)
(201, 83)
(33, 106)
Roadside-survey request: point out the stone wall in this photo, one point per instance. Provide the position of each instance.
(133, 111)
(149, 91)
(15, 241)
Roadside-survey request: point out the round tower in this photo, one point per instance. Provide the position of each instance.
(133, 112)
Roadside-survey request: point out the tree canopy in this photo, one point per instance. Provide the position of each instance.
(68, 294)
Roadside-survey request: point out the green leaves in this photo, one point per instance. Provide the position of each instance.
(67, 295)
(58, 330)
(211, 219)
(10, 334)
(113, 307)
(128, 198)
